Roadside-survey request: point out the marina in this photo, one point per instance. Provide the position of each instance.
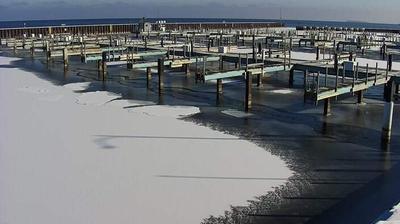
(322, 99)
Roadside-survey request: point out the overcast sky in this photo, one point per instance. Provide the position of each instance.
(386, 11)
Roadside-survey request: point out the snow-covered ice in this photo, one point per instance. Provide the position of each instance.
(85, 158)
(281, 91)
(381, 64)
(390, 217)
(236, 113)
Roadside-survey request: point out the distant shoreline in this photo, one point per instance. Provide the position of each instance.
(288, 23)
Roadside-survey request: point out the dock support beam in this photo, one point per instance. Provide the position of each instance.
(390, 62)
(186, 67)
(129, 65)
(388, 112)
(247, 103)
(360, 96)
(148, 76)
(254, 49)
(32, 48)
(99, 66)
(387, 122)
(103, 66)
(259, 80)
(65, 57)
(219, 89)
(291, 78)
(160, 69)
(327, 106)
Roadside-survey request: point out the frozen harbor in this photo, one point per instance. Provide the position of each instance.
(157, 126)
(72, 157)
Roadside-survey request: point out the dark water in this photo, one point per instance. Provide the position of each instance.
(288, 23)
(334, 158)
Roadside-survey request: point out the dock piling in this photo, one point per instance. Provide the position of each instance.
(305, 85)
(326, 76)
(360, 96)
(248, 102)
(390, 62)
(32, 48)
(219, 89)
(291, 78)
(148, 77)
(388, 112)
(254, 48)
(327, 106)
(160, 69)
(65, 57)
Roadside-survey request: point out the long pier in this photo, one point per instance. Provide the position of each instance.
(127, 28)
(76, 29)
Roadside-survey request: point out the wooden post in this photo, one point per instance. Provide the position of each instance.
(326, 76)
(291, 78)
(384, 50)
(204, 66)
(247, 62)
(192, 46)
(254, 48)
(269, 51)
(83, 52)
(343, 74)
(148, 76)
(337, 79)
(65, 57)
(240, 61)
(197, 66)
(388, 112)
(357, 66)
(284, 59)
(360, 96)
(219, 88)
(129, 62)
(305, 85)
(160, 75)
(221, 63)
(259, 78)
(327, 106)
(32, 48)
(103, 71)
(336, 63)
(99, 66)
(248, 102)
(48, 52)
(390, 62)
(187, 69)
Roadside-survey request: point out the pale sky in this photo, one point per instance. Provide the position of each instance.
(385, 11)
